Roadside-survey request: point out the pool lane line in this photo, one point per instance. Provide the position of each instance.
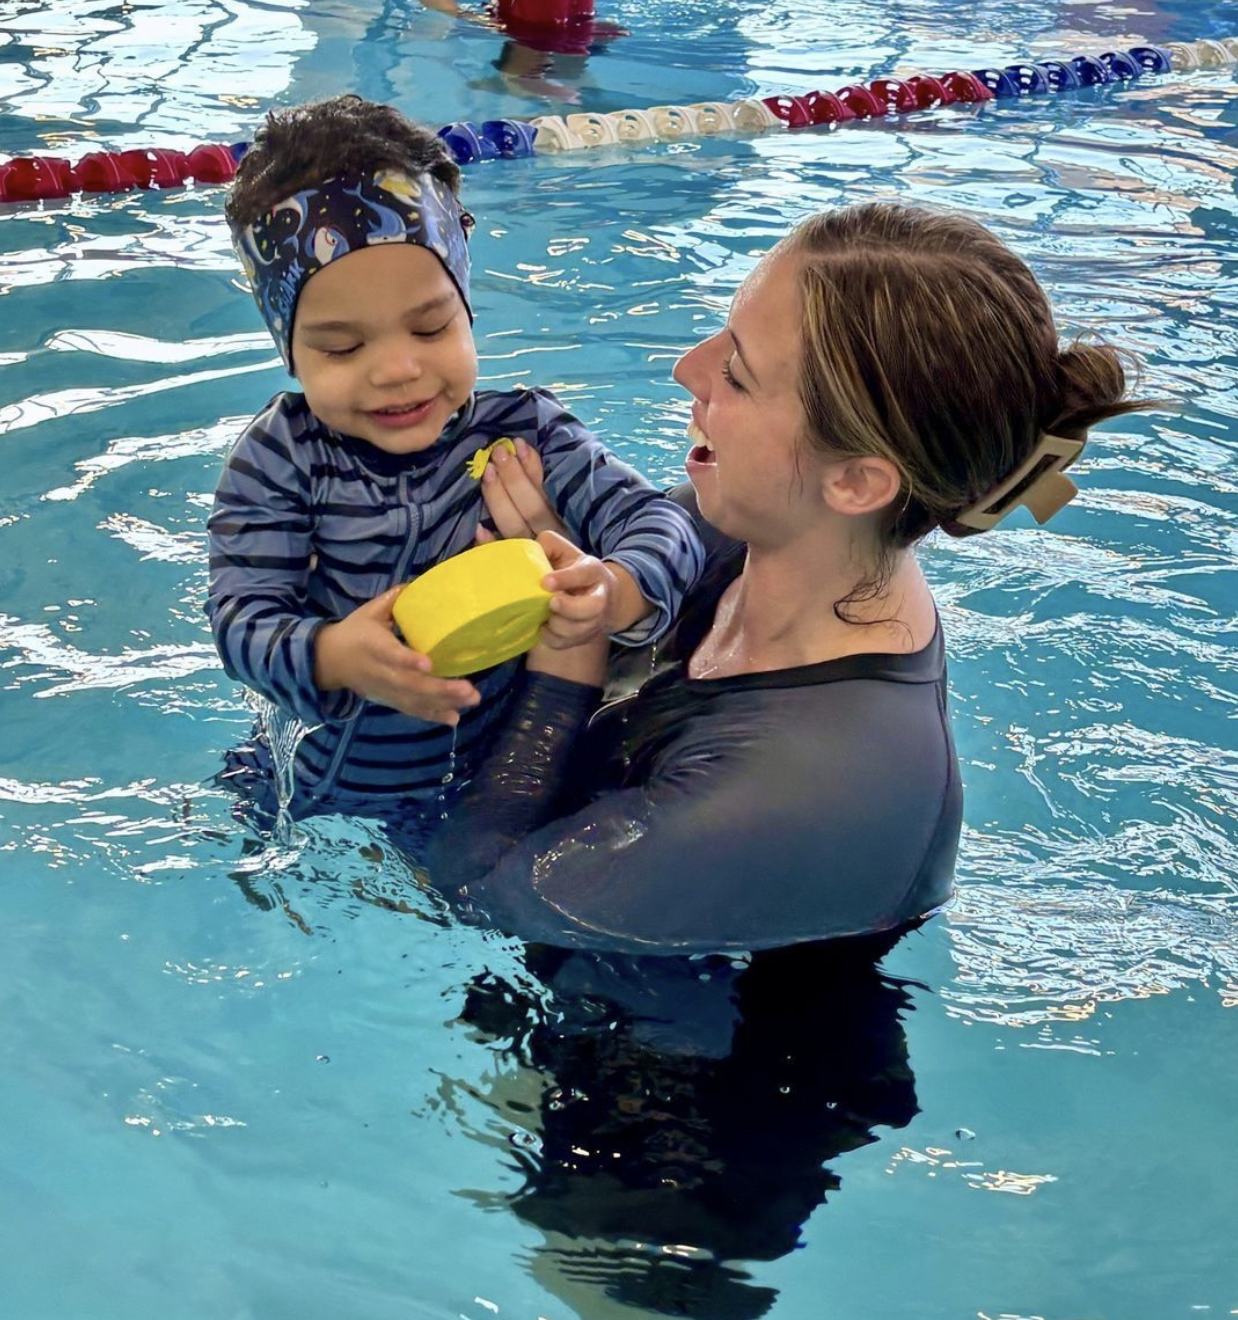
(53, 178)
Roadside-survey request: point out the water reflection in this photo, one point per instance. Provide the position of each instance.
(674, 1119)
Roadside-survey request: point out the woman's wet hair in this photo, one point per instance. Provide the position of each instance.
(928, 342)
(344, 136)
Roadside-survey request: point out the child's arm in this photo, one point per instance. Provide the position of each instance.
(612, 512)
(269, 636)
(593, 597)
(260, 537)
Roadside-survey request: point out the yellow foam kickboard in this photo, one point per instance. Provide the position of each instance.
(478, 608)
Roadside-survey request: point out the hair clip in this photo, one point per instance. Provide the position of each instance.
(1038, 483)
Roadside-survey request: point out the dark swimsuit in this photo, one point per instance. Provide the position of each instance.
(730, 814)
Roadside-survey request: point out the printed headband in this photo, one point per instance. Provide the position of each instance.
(299, 236)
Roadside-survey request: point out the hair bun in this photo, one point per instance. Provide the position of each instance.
(1093, 380)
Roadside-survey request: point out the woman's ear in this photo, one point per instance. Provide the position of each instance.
(856, 486)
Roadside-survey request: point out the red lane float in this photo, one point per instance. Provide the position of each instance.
(51, 178)
(881, 97)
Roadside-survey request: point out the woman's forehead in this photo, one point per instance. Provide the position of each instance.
(772, 286)
(765, 316)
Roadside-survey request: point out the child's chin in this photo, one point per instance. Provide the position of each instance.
(397, 443)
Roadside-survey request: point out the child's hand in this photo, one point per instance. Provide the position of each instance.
(362, 652)
(512, 489)
(580, 608)
(582, 658)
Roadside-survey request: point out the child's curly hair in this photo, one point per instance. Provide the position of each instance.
(342, 136)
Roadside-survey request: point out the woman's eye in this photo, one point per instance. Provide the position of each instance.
(434, 334)
(339, 352)
(729, 377)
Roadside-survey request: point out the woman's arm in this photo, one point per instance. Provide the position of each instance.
(769, 817)
(520, 783)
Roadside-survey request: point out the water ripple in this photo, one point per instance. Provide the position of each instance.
(63, 670)
(1033, 953)
(58, 404)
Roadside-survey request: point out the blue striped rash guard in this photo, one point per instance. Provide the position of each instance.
(308, 524)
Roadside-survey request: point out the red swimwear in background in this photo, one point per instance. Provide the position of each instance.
(559, 27)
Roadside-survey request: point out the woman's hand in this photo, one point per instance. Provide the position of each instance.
(512, 489)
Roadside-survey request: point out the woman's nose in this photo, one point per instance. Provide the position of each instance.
(688, 370)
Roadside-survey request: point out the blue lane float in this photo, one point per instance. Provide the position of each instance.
(492, 139)
(51, 178)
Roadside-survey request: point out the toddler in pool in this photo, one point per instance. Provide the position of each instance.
(346, 218)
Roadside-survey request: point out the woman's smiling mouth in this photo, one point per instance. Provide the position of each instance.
(702, 451)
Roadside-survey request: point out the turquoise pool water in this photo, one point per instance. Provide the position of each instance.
(240, 1086)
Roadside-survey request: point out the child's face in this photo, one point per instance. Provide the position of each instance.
(383, 348)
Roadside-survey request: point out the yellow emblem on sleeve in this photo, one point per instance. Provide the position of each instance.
(481, 457)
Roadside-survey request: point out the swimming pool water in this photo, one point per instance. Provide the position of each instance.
(282, 1083)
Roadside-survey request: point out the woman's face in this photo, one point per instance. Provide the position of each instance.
(748, 464)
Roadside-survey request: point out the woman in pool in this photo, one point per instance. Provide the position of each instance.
(785, 771)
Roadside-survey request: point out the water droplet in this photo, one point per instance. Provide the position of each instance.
(449, 775)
